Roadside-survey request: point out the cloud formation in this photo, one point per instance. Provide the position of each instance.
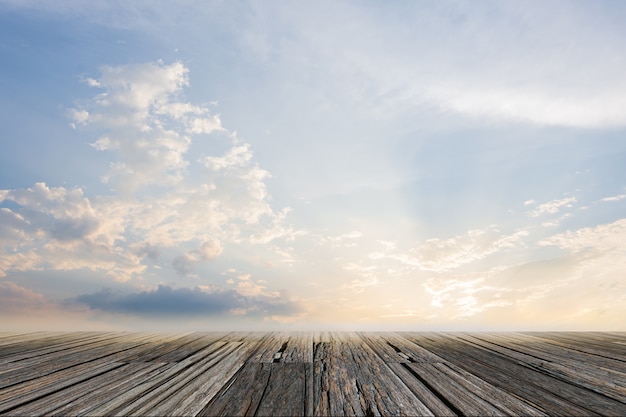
(168, 301)
(440, 255)
(550, 207)
(161, 201)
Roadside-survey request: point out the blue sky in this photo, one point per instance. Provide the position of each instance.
(342, 165)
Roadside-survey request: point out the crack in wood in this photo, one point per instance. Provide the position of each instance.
(280, 352)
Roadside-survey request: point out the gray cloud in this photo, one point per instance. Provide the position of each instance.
(183, 265)
(169, 301)
(73, 229)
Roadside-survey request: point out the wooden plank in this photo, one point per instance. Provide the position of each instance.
(46, 340)
(184, 388)
(21, 394)
(299, 349)
(559, 352)
(471, 360)
(500, 399)
(457, 394)
(199, 341)
(540, 391)
(247, 385)
(573, 370)
(64, 402)
(190, 396)
(387, 351)
(40, 367)
(109, 388)
(33, 356)
(267, 346)
(26, 391)
(163, 347)
(410, 352)
(421, 391)
(241, 373)
(584, 343)
(146, 390)
(11, 338)
(350, 379)
(388, 347)
(286, 391)
(264, 389)
(282, 347)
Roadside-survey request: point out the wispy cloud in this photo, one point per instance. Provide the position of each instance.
(614, 198)
(551, 207)
(447, 254)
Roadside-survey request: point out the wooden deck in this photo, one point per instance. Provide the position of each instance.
(296, 374)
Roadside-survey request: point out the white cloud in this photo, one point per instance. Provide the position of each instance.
(440, 255)
(346, 240)
(463, 298)
(539, 106)
(552, 207)
(60, 229)
(601, 238)
(237, 156)
(498, 61)
(147, 127)
(614, 198)
(155, 204)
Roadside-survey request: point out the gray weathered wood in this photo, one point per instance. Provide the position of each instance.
(323, 373)
(540, 390)
(350, 379)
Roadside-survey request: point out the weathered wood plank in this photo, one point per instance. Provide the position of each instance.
(387, 351)
(195, 392)
(242, 373)
(162, 347)
(611, 349)
(21, 394)
(404, 349)
(267, 346)
(573, 369)
(46, 341)
(543, 392)
(198, 341)
(299, 349)
(28, 357)
(421, 391)
(109, 389)
(40, 367)
(247, 385)
(264, 389)
(11, 338)
(73, 399)
(456, 393)
(145, 392)
(559, 353)
(286, 391)
(350, 379)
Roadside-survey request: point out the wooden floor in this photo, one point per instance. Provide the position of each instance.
(294, 374)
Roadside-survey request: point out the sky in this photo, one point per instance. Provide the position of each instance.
(269, 165)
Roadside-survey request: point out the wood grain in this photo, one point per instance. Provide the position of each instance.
(306, 374)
